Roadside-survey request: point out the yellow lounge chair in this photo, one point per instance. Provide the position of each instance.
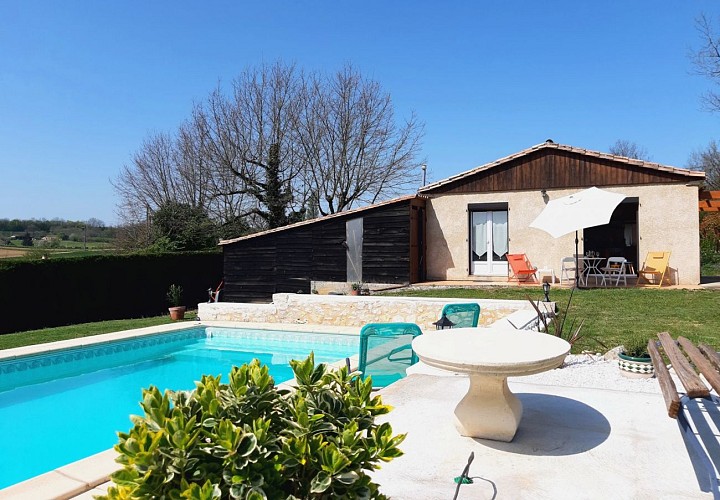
(655, 265)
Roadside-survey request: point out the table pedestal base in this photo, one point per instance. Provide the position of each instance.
(489, 410)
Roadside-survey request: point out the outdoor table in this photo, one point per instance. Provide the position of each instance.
(591, 267)
(489, 355)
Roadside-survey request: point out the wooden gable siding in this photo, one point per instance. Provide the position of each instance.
(286, 261)
(557, 169)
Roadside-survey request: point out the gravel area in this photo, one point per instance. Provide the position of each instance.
(592, 371)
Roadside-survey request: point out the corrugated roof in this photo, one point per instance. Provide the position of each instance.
(551, 145)
(320, 219)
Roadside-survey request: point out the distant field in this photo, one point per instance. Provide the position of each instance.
(68, 244)
(36, 252)
(6, 252)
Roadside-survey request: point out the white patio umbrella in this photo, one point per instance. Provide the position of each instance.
(588, 208)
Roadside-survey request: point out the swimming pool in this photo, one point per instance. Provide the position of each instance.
(62, 406)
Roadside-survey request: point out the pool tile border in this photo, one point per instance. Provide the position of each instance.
(19, 370)
(61, 345)
(76, 479)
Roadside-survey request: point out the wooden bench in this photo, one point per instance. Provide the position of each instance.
(703, 357)
(697, 403)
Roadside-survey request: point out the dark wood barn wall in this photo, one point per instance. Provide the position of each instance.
(249, 270)
(287, 260)
(386, 245)
(550, 169)
(328, 260)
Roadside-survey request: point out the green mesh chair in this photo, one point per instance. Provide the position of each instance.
(386, 351)
(466, 314)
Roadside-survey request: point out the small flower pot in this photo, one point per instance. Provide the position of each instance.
(632, 367)
(354, 292)
(177, 313)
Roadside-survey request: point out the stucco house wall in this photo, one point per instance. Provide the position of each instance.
(667, 221)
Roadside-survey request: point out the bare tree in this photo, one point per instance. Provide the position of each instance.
(250, 135)
(174, 168)
(93, 222)
(167, 168)
(707, 159)
(217, 188)
(280, 146)
(353, 150)
(706, 60)
(629, 149)
(150, 180)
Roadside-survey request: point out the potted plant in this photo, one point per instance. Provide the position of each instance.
(633, 358)
(174, 297)
(355, 288)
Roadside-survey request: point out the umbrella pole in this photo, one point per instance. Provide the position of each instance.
(577, 262)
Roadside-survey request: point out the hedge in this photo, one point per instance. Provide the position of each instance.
(56, 292)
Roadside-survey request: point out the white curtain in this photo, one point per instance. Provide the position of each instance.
(500, 233)
(629, 234)
(479, 243)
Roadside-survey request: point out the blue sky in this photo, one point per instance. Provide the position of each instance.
(83, 83)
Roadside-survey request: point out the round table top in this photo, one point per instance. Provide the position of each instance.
(493, 351)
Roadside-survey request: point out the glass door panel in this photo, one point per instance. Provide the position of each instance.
(488, 243)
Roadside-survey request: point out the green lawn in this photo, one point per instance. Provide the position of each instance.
(19, 339)
(613, 314)
(609, 314)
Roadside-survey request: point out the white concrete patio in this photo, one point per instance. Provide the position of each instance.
(571, 443)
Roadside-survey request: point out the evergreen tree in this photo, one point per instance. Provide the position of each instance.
(27, 240)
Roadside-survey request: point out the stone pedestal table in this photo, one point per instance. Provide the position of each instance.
(489, 355)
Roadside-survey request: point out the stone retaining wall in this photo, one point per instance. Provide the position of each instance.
(340, 310)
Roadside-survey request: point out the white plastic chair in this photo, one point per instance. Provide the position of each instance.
(567, 265)
(615, 268)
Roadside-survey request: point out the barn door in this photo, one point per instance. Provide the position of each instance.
(354, 241)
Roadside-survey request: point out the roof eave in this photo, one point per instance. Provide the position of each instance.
(319, 219)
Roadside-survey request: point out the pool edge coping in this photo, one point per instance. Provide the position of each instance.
(88, 473)
(29, 350)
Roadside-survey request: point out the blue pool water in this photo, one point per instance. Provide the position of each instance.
(59, 407)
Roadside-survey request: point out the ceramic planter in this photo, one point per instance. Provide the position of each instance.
(177, 313)
(635, 367)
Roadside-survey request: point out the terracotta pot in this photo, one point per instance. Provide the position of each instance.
(354, 292)
(177, 313)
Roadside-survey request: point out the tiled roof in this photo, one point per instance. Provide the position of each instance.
(696, 174)
(320, 219)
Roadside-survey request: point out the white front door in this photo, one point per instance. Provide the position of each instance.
(489, 243)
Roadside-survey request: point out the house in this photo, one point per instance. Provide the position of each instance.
(462, 227)
(476, 217)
